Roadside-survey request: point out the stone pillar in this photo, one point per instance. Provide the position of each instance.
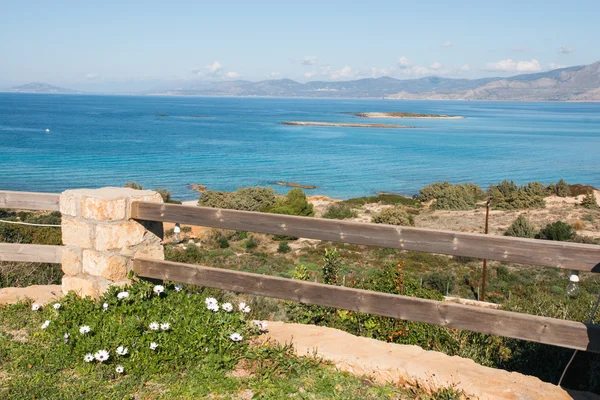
(101, 239)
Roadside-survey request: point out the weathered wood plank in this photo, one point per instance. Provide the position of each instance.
(29, 200)
(31, 253)
(583, 257)
(570, 334)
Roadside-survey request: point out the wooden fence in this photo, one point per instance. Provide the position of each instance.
(570, 334)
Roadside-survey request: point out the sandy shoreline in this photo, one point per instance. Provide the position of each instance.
(400, 115)
(347, 125)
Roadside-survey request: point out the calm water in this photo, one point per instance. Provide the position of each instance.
(108, 140)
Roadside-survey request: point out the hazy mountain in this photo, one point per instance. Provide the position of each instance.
(38, 87)
(567, 84)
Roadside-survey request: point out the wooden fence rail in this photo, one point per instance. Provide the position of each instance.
(29, 200)
(570, 334)
(583, 257)
(31, 253)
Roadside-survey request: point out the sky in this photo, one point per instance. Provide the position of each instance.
(137, 45)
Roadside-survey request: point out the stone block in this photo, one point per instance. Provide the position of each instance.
(71, 261)
(76, 233)
(112, 267)
(149, 250)
(100, 209)
(80, 285)
(117, 236)
(68, 203)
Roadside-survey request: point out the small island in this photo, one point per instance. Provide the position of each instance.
(294, 184)
(405, 115)
(344, 124)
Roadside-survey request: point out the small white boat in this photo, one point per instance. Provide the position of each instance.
(47, 130)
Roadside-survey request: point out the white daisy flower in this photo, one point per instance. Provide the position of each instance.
(241, 306)
(66, 336)
(153, 346)
(45, 324)
(246, 309)
(89, 357)
(227, 307)
(122, 295)
(84, 329)
(211, 300)
(154, 326)
(213, 307)
(158, 289)
(122, 350)
(165, 327)
(105, 306)
(119, 369)
(56, 306)
(261, 325)
(35, 307)
(101, 355)
(236, 337)
(178, 288)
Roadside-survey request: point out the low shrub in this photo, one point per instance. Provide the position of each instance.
(223, 242)
(383, 198)
(521, 227)
(578, 225)
(245, 199)
(508, 196)
(451, 197)
(293, 203)
(558, 230)
(250, 244)
(393, 216)
(589, 201)
(561, 189)
(283, 247)
(339, 211)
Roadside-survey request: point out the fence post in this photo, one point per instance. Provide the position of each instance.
(101, 239)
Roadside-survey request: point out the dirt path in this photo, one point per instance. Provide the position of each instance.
(389, 362)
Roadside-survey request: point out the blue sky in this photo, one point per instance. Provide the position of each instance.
(133, 44)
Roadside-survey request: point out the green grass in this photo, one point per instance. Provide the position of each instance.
(195, 359)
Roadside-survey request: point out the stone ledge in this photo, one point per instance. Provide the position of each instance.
(396, 363)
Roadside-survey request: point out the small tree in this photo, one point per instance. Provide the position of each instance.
(558, 230)
(521, 227)
(589, 201)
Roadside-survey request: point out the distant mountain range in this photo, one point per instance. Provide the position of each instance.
(581, 83)
(38, 87)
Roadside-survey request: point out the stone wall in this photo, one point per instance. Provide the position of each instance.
(100, 238)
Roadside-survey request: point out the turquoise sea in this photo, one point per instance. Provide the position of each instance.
(99, 140)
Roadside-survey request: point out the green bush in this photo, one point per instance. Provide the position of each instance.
(293, 203)
(223, 242)
(383, 198)
(442, 282)
(331, 266)
(589, 201)
(507, 196)
(339, 211)
(521, 227)
(133, 185)
(13, 233)
(561, 188)
(283, 247)
(166, 196)
(250, 244)
(535, 189)
(245, 199)
(186, 229)
(558, 230)
(451, 197)
(393, 216)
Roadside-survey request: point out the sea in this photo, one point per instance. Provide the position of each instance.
(226, 143)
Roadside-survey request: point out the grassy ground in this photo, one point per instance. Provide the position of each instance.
(195, 358)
